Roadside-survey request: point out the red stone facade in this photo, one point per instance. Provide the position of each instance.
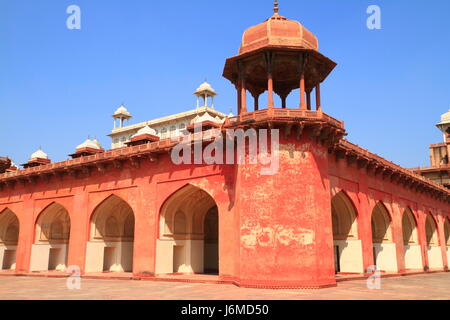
(274, 231)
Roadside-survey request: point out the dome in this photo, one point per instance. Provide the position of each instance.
(206, 117)
(145, 130)
(445, 118)
(278, 31)
(39, 154)
(97, 143)
(89, 144)
(205, 86)
(122, 110)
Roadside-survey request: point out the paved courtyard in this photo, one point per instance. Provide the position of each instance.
(430, 286)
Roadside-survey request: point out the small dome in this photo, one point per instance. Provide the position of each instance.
(445, 118)
(97, 143)
(145, 130)
(89, 144)
(122, 110)
(278, 31)
(205, 86)
(205, 117)
(39, 154)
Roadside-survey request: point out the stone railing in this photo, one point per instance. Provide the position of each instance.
(277, 113)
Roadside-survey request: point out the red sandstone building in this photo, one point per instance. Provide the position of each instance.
(332, 208)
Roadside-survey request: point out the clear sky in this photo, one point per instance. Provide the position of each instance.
(57, 86)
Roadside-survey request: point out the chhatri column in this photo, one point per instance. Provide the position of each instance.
(239, 100)
(243, 95)
(256, 101)
(283, 101)
(318, 106)
(308, 100)
(302, 91)
(269, 59)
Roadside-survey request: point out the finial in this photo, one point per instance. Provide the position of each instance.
(275, 7)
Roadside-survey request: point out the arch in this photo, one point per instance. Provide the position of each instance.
(447, 232)
(52, 234)
(111, 219)
(344, 217)
(435, 259)
(409, 228)
(384, 249)
(347, 247)
(381, 224)
(9, 236)
(9, 227)
(412, 252)
(431, 231)
(186, 244)
(111, 237)
(53, 225)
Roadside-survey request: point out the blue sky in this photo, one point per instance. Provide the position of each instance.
(57, 86)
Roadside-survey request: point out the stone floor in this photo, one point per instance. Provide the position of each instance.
(428, 286)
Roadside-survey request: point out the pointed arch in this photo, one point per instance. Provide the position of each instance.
(112, 220)
(344, 217)
(409, 227)
(111, 237)
(381, 224)
(188, 232)
(9, 237)
(52, 234)
(186, 198)
(431, 230)
(53, 225)
(9, 227)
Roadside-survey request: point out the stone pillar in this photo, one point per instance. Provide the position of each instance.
(239, 96)
(256, 100)
(397, 233)
(302, 91)
(26, 235)
(270, 90)
(318, 106)
(441, 239)
(365, 220)
(243, 96)
(308, 100)
(283, 101)
(422, 236)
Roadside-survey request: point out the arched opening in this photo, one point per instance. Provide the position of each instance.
(412, 254)
(9, 236)
(435, 260)
(188, 238)
(447, 239)
(347, 246)
(52, 233)
(384, 252)
(110, 246)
